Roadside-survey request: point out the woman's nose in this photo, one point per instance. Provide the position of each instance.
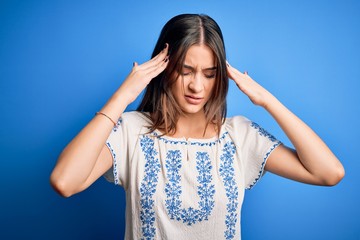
(195, 83)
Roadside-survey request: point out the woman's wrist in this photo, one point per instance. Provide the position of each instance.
(116, 105)
(269, 101)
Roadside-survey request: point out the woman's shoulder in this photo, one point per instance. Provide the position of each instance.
(135, 115)
(135, 118)
(241, 125)
(236, 124)
(237, 120)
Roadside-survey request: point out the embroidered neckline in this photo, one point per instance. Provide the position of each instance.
(190, 141)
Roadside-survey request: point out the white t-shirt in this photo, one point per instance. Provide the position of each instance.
(179, 188)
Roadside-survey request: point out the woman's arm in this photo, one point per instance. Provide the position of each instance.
(312, 162)
(86, 157)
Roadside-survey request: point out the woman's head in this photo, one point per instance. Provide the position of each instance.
(181, 33)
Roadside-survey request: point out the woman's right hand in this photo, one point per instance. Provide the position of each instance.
(86, 157)
(141, 75)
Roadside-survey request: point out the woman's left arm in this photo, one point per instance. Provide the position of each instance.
(312, 161)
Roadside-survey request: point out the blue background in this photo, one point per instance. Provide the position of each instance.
(61, 60)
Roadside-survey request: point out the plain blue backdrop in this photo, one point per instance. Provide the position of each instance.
(61, 60)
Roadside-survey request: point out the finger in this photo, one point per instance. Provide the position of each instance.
(154, 66)
(234, 71)
(160, 57)
(161, 54)
(157, 59)
(156, 71)
(154, 62)
(230, 70)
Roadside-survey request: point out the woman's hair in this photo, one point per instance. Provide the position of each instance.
(181, 32)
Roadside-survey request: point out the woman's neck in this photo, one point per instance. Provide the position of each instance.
(193, 126)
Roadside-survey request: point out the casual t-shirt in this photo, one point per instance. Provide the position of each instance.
(179, 188)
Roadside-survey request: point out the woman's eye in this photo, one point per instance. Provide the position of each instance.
(186, 73)
(210, 76)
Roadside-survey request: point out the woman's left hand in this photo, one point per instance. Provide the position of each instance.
(312, 162)
(256, 93)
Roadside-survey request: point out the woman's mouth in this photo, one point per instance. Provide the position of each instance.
(193, 99)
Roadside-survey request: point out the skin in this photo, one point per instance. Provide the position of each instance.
(311, 162)
(192, 90)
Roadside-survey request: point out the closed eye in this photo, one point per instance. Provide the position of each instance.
(210, 76)
(186, 73)
(209, 73)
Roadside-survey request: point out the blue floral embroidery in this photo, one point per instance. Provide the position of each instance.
(164, 139)
(210, 143)
(263, 132)
(115, 128)
(276, 142)
(263, 163)
(148, 187)
(227, 172)
(116, 180)
(205, 190)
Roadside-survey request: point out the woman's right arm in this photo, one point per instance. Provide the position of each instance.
(86, 157)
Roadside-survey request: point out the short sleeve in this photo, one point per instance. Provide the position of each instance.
(116, 143)
(122, 143)
(255, 146)
(259, 147)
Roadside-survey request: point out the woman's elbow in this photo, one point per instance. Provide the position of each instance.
(335, 176)
(61, 186)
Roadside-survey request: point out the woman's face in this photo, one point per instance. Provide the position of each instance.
(196, 81)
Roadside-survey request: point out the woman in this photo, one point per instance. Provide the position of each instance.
(183, 165)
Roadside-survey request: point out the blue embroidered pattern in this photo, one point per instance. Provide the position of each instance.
(115, 128)
(116, 180)
(164, 139)
(263, 132)
(205, 190)
(148, 188)
(263, 164)
(227, 172)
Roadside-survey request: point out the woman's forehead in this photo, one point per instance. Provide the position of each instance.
(200, 56)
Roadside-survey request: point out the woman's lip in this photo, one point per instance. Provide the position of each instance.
(193, 100)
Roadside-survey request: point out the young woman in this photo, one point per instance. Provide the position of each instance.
(183, 164)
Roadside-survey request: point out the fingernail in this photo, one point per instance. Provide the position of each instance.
(165, 46)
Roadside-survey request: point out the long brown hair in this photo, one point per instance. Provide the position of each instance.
(181, 32)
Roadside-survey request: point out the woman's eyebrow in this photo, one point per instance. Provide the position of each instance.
(210, 68)
(206, 69)
(188, 67)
